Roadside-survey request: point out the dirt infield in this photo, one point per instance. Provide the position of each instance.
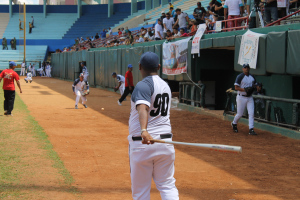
(93, 145)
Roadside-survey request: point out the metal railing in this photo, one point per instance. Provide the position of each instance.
(277, 111)
(191, 94)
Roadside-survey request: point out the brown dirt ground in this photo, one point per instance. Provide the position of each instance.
(93, 145)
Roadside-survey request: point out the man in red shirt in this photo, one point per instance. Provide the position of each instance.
(129, 87)
(8, 76)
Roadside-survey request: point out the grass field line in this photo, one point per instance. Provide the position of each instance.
(29, 166)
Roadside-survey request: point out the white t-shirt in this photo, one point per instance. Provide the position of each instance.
(156, 94)
(141, 40)
(158, 28)
(177, 35)
(110, 32)
(182, 20)
(169, 24)
(233, 6)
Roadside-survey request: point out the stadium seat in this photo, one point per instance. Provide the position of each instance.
(54, 26)
(4, 19)
(33, 54)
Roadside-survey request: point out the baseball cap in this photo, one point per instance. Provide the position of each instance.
(246, 65)
(114, 73)
(81, 75)
(149, 60)
(129, 66)
(12, 64)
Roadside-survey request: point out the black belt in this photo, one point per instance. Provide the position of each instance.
(244, 95)
(162, 136)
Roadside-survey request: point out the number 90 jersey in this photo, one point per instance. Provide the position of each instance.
(156, 94)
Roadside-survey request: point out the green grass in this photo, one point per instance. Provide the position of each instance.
(16, 133)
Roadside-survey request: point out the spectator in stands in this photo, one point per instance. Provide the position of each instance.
(103, 33)
(143, 31)
(199, 13)
(92, 45)
(168, 23)
(163, 15)
(110, 31)
(158, 31)
(32, 21)
(88, 39)
(122, 41)
(234, 8)
(149, 35)
(12, 44)
(30, 27)
(77, 41)
(97, 36)
(271, 11)
(172, 12)
(171, 6)
(123, 31)
(139, 39)
(250, 6)
(193, 25)
(15, 43)
(20, 25)
(126, 30)
(218, 8)
(182, 19)
(92, 38)
(176, 33)
(183, 33)
(119, 32)
(4, 44)
(81, 40)
(169, 35)
(130, 37)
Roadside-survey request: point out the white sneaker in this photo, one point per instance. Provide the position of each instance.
(119, 103)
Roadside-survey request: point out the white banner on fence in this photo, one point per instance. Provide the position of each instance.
(175, 57)
(249, 49)
(196, 40)
(218, 26)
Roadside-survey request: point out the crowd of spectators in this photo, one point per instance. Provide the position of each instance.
(176, 23)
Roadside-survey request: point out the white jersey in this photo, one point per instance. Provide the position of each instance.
(80, 85)
(155, 93)
(29, 75)
(244, 81)
(23, 65)
(120, 78)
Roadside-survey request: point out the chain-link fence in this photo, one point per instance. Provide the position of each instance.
(276, 111)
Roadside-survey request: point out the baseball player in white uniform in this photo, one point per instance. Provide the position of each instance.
(85, 72)
(48, 70)
(22, 69)
(121, 80)
(28, 78)
(78, 87)
(150, 119)
(243, 81)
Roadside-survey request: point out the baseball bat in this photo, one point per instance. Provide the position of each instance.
(216, 147)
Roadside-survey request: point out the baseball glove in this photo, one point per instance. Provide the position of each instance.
(84, 93)
(115, 89)
(249, 91)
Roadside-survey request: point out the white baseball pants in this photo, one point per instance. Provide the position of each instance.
(28, 79)
(33, 72)
(78, 96)
(85, 77)
(22, 72)
(152, 161)
(122, 88)
(241, 103)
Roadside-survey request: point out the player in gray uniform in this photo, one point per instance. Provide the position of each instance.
(121, 80)
(79, 86)
(85, 72)
(243, 81)
(150, 119)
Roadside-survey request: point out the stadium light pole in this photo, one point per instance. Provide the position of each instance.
(24, 31)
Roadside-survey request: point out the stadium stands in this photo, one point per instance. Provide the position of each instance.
(91, 23)
(4, 19)
(54, 26)
(33, 53)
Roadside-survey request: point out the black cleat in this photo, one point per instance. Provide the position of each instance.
(251, 132)
(234, 127)
(85, 105)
